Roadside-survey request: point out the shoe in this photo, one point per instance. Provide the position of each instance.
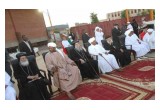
(108, 73)
(139, 59)
(144, 57)
(119, 70)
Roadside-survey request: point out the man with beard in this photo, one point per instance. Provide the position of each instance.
(32, 85)
(66, 73)
(87, 66)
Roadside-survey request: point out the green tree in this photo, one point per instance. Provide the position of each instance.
(94, 18)
(123, 14)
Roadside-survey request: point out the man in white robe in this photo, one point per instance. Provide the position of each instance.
(10, 93)
(106, 62)
(141, 48)
(98, 35)
(149, 38)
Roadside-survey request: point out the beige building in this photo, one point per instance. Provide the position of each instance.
(132, 13)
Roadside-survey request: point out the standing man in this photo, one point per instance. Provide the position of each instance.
(72, 35)
(85, 38)
(122, 55)
(98, 35)
(26, 46)
(135, 26)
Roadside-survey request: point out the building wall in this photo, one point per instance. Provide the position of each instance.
(29, 22)
(132, 13)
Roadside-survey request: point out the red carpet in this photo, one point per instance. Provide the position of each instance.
(139, 71)
(119, 85)
(109, 90)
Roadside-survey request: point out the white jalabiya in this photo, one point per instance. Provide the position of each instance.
(150, 39)
(141, 49)
(98, 36)
(10, 93)
(66, 44)
(102, 63)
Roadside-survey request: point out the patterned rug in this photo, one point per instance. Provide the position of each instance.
(138, 71)
(136, 82)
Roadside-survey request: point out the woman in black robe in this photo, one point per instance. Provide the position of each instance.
(30, 81)
(88, 67)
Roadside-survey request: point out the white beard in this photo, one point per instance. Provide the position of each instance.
(24, 63)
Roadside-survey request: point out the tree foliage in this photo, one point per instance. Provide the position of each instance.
(94, 18)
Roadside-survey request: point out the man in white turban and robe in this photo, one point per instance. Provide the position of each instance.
(66, 74)
(141, 48)
(149, 38)
(98, 35)
(106, 62)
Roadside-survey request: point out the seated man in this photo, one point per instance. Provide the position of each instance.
(65, 44)
(121, 54)
(66, 74)
(106, 62)
(10, 93)
(87, 66)
(149, 38)
(138, 45)
(32, 86)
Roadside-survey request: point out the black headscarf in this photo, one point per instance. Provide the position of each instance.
(20, 54)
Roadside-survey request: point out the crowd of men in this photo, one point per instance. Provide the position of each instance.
(100, 54)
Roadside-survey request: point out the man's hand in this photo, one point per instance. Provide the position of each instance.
(82, 61)
(73, 64)
(100, 54)
(30, 77)
(106, 53)
(121, 50)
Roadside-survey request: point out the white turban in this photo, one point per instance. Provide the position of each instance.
(128, 31)
(70, 37)
(91, 40)
(51, 44)
(150, 30)
(96, 28)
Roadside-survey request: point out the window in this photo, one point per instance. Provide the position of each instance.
(115, 15)
(135, 11)
(118, 14)
(131, 11)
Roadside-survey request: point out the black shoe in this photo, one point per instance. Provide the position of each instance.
(96, 77)
(108, 73)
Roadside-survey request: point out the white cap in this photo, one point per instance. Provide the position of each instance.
(91, 40)
(70, 37)
(51, 44)
(128, 31)
(150, 30)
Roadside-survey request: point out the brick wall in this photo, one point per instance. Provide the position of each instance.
(106, 26)
(25, 21)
